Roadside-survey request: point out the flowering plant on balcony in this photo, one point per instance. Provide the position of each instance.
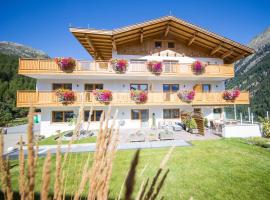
(186, 95)
(65, 96)
(103, 96)
(119, 66)
(231, 95)
(66, 64)
(198, 67)
(139, 96)
(155, 67)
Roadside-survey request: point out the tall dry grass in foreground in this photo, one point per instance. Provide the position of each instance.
(95, 178)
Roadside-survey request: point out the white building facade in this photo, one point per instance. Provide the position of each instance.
(157, 40)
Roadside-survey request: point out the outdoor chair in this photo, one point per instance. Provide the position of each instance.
(166, 135)
(138, 136)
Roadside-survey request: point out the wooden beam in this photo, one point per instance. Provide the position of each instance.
(167, 30)
(216, 49)
(141, 39)
(192, 38)
(239, 57)
(91, 45)
(227, 54)
(114, 44)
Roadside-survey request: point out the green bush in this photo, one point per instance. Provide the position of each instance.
(205, 122)
(190, 123)
(265, 126)
(262, 142)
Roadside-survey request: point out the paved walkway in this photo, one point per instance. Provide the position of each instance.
(77, 148)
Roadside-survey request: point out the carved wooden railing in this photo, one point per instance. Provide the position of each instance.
(49, 66)
(49, 98)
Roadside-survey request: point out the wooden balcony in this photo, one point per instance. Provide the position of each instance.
(37, 68)
(49, 98)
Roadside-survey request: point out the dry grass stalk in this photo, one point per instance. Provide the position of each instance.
(131, 176)
(89, 119)
(1, 151)
(22, 175)
(142, 190)
(30, 158)
(122, 187)
(84, 179)
(7, 181)
(153, 189)
(106, 145)
(143, 170)
(58, 172)
(46, 177)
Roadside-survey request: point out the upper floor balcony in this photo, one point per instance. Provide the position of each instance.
(136, 70)
(50, 98)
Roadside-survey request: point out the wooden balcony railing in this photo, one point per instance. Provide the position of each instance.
(39, 66)
(49, 98)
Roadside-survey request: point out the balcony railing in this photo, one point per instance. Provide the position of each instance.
(49, 98)
(39, 66)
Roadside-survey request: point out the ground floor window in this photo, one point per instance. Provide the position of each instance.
(170, 113)
(62, 116)
(139, 114)
(94, 86)
(217, 110)
(96, 115)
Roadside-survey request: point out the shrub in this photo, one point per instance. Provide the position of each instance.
(262, 142)
(190, 123)
(205, 122)
(265, 126)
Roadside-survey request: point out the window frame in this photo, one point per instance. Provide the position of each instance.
(210, 89)
(94, 86)
(155, 44)
(62, 85)
(63, 116)
(139, 86)
(171, 88)
(170, 42)
(94, 114)
(171, 113)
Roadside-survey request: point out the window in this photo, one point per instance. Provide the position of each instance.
(91, 87)
(135, 114)
(171, 45)
(67, 86)
(206, 88)
(170, 87)
(94, 117)
(170, 113)
(217, 110)
(62, 116)
(158, 44)
(139, 87)
(197, 110)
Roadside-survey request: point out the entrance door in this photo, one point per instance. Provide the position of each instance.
(169, 89)
(142, 115)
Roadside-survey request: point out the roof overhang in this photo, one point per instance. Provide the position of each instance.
(101, 43)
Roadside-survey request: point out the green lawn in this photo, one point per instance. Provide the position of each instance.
(219, 169)
(51, 140)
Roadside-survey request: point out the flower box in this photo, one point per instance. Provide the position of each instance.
(119, 66)
(231, 95)
(139, 96)
(65, 96)
(186, 95)
(198, 67)
(155, 67)
(66, 64)
(103, 96)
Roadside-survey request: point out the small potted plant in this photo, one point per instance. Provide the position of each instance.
(186, 95)
(191, 125)
(103, 96)
(66, 64)
(119, 66)
(139, 96)
(231, 95)
(65, 96)
(155, 67)
(198, 67)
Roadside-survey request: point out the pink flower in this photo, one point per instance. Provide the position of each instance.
(198, 67)
(155, 66)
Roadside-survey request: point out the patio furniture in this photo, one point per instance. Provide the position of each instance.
(166, 135)
(138, 136)
(177, 127)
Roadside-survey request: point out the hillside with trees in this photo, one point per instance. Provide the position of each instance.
(253, 74)
(10, 81)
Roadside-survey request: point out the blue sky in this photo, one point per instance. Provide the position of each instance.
(43, 24)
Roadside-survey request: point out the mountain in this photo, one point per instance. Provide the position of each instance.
(253, 74)
(19, 50)
(10, 81)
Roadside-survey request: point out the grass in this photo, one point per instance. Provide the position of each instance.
(51, 140)
(220, 169)
(17, 121)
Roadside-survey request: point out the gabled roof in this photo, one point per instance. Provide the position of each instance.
(100, 43)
